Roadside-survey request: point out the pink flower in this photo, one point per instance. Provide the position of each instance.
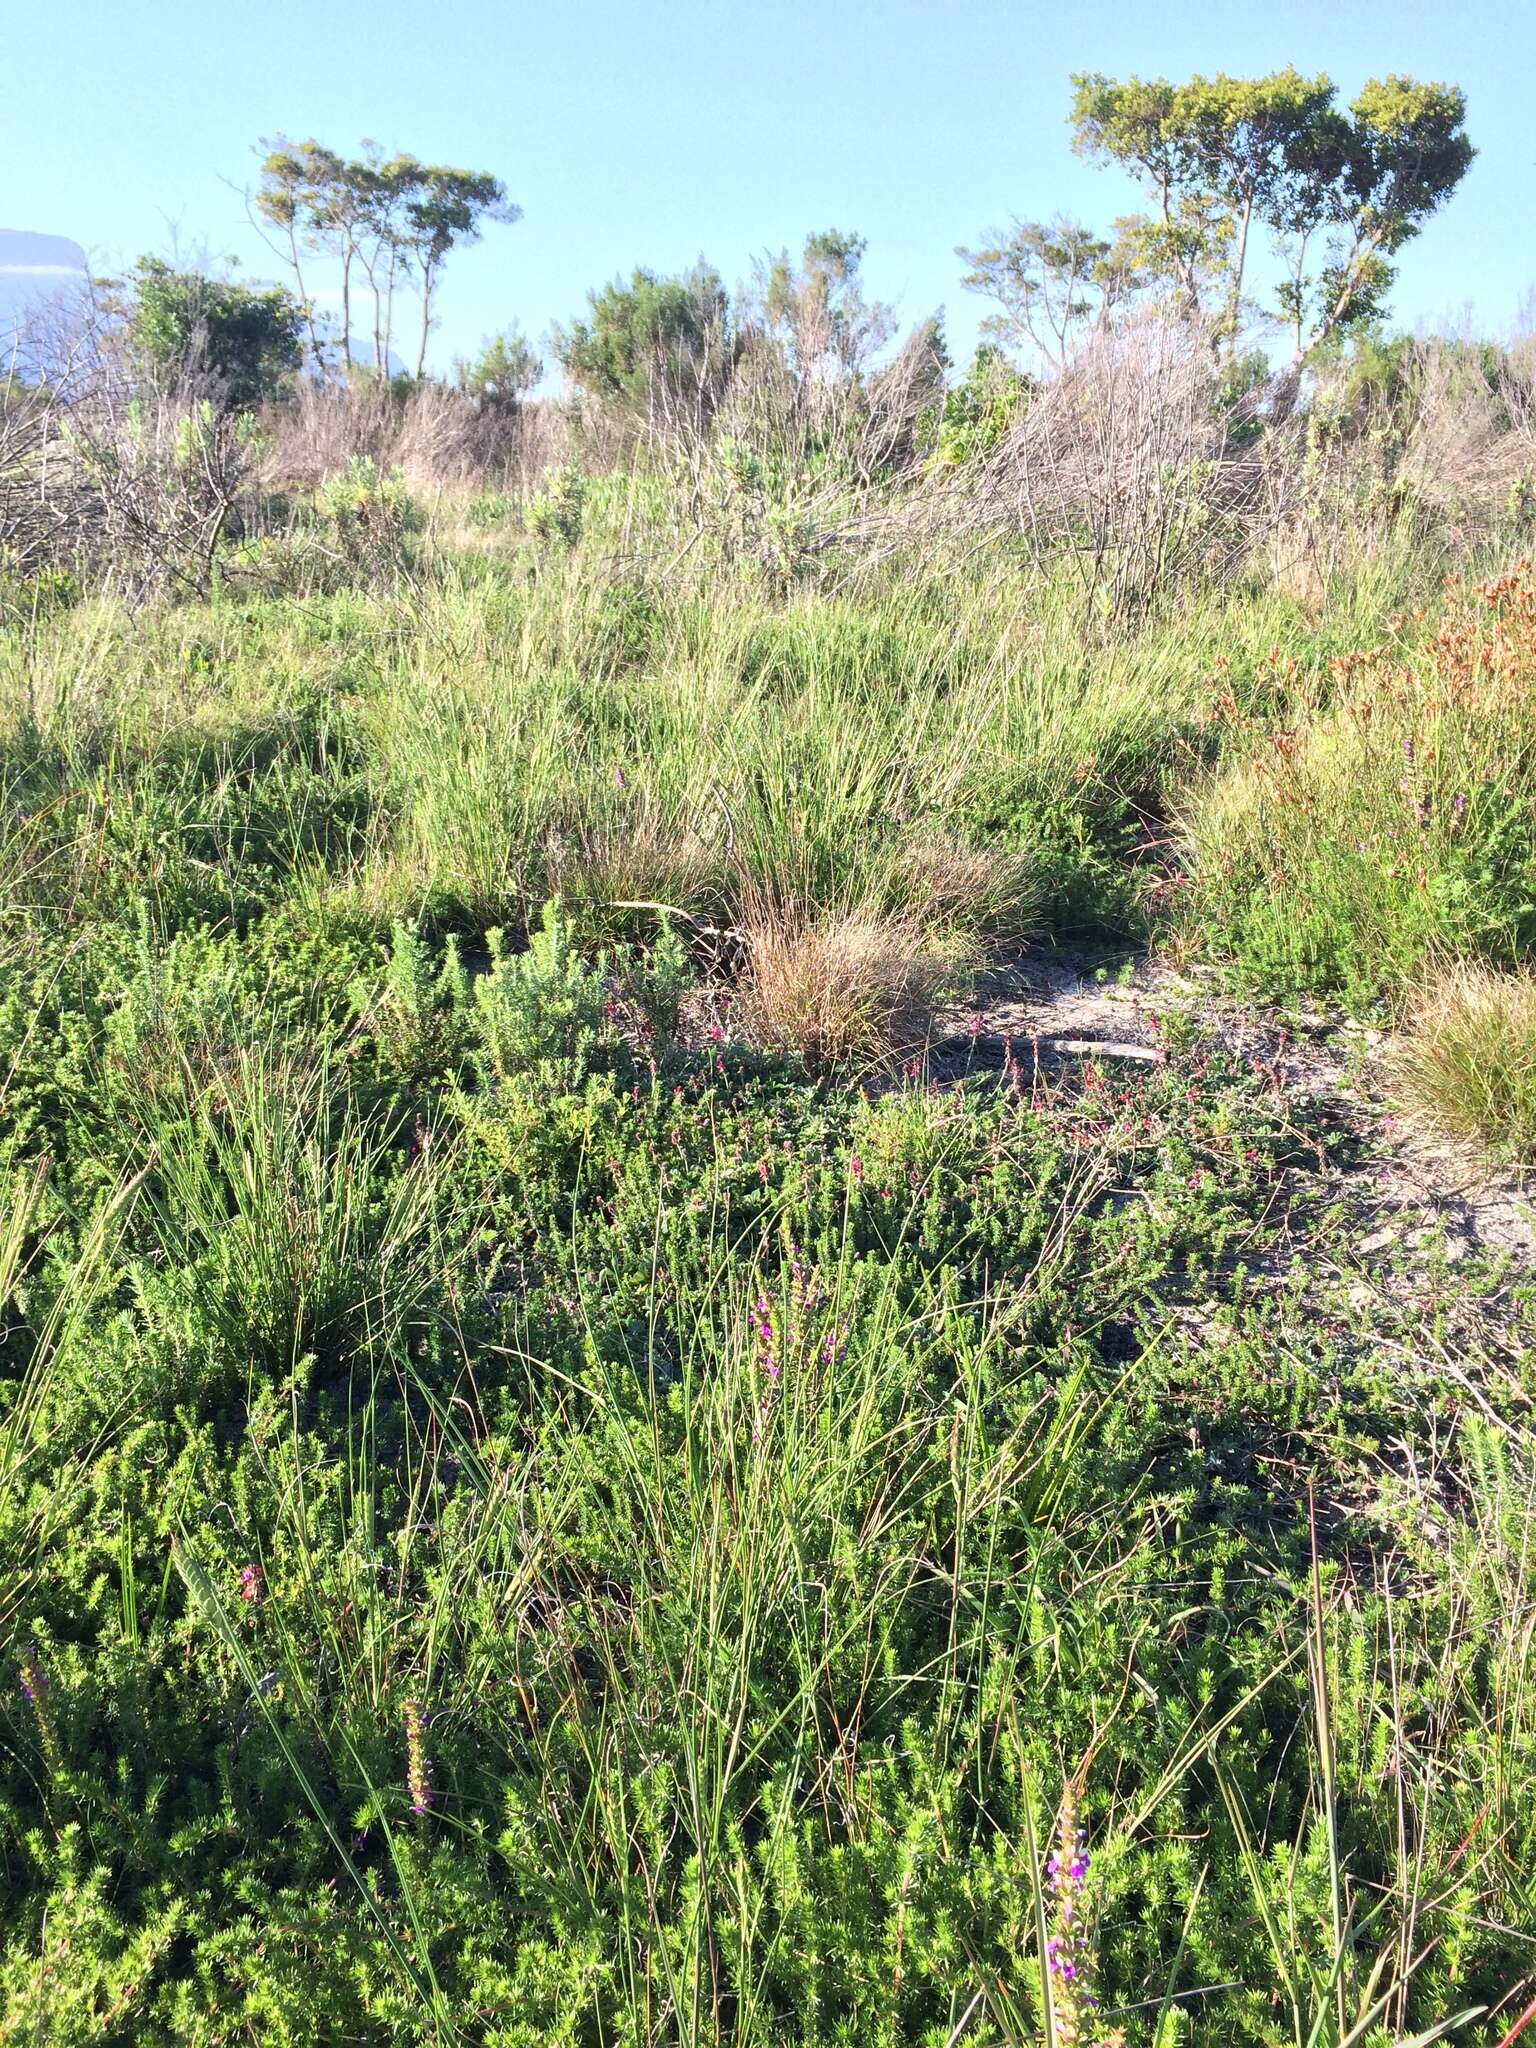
(418, 1775)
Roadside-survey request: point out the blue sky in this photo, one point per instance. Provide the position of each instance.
(656, 131)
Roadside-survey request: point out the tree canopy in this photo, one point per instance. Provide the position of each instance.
(394, 220)
(1224, 162)
(1052, 281)
(246, 338)
(652, 336)
(1222, 157)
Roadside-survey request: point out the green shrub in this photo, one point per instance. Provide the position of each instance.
(488, 509)
(28, 593)
(977, 413)
(420, 1017)
(553, 513)
(546, 1011)
(368, 514)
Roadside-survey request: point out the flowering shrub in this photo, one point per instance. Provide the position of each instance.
(1396, 818)
(367, 515)
(553, 513)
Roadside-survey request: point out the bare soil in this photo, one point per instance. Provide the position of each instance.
(1411, 1188)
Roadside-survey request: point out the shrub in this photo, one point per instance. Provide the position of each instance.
(166, 471)
(368, 513)
(547, 1011)
(488, 509)
(184, 323)
(978, 411)
(1467, 1057)
(653, 339)
(553, 513)
(420, 1017)
(33, 593)
(1389, 822)
(544, 1007)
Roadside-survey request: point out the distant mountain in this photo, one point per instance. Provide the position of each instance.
(33, 270)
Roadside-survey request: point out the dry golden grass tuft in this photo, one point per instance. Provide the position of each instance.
(854, 988)
(1466, 1059)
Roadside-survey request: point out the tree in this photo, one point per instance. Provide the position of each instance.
(384, 186)
(1400, 157)
(668, 336)
(386, 216)
(340, 216)
(1255, 143)
(326, 205)
(503, 373)
(1219, 155)
(1052, 281)
(288, 196)
(333, 199)
(1222, 156)
(444, 209)
(817, 309)
(1136, 126)
(182, 322)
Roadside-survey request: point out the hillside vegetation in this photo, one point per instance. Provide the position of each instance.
(594, 1447)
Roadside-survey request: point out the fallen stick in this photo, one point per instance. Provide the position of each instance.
(1105, 1049)
(1084, 1048)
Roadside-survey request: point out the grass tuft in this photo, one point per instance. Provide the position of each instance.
(1467, 1058)
(854, 988)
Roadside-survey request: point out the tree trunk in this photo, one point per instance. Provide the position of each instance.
(298, 279)
(1347, 290)
(427, 282)
(389, 317)
(1234, 305)
(346, 307)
